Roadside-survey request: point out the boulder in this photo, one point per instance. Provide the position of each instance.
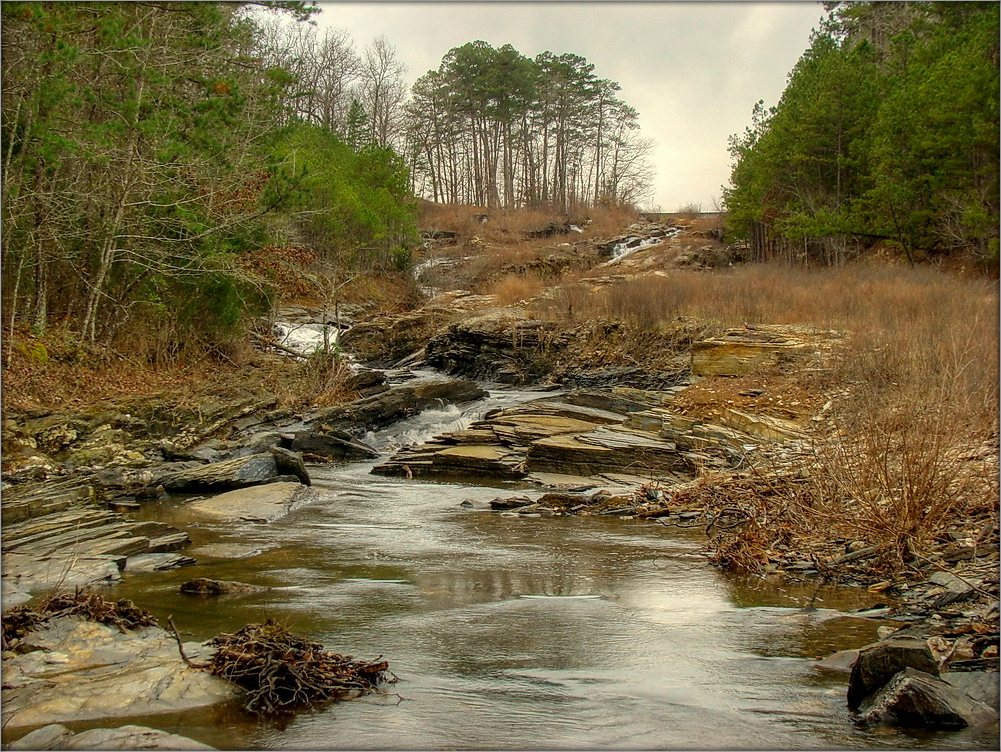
(77, 670)
(880, 662)
(290, 463)
(240, 472)
(206, 586)
(366, 381)
(57, 736)
(917, 699)
(380, 410)
(265, 503)
(329, 445)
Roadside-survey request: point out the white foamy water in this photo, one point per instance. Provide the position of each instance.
(304, 339)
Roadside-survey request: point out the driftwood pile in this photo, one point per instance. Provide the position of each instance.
(282, 672)
(279, 671)
(124, 614)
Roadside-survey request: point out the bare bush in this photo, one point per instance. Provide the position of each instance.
(515, 288)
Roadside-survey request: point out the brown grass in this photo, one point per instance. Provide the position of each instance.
(908, 444)
(504, 225)
(515, 288)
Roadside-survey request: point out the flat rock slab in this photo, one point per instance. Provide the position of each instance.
(57, 736)
(79, 670)
(28, 574)
(603, 450)
(83, 545)
(265, 503)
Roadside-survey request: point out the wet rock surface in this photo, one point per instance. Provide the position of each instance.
(81, 545)
(207, 586)
(265, 503)
(876, 665)
(253, 470)
(71, 669)
(918, 699)
(57, 736)
(585, 434)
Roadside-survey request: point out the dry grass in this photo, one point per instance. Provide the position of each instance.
(503, 225)
(515, 288)
(908, 445)
(319, 380)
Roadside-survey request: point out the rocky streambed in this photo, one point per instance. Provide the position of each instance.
(608, 451)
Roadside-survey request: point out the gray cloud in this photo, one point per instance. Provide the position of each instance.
(693, 70)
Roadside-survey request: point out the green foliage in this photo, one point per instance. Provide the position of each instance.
(888, 128)
(352, 206)
(134, 165)
(492, 127)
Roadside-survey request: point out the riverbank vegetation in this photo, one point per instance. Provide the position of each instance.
(887, 133)
(158, 184)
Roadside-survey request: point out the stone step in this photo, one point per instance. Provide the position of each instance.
(81, 518)
(70, 535)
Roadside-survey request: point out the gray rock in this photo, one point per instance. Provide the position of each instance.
(290, 463)
(917, 699)
(79, 670)
(511, 502)
(840, 662)
(158, 562)
(265, 503)
(230, 550)
(331, 445)
(950, 582)
(206, 586)
(238, 473)
(878, 663)
(56, 736)
(980, 685)
(400, 402)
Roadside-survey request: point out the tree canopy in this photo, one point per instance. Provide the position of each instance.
(887, 129)
(494, 128)
(148, 150)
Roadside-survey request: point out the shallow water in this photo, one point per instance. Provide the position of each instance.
(515, 633)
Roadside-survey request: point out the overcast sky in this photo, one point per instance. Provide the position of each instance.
(693, 70)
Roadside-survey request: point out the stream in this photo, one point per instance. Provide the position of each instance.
(509, 632)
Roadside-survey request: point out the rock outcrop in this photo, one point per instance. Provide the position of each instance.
(256, 469)
(499, 345)
(740, 351)
(71, 670)
(265, 503)
(57, 736)
(548, 436)
(81, 545)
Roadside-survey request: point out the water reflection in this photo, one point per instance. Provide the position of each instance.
(524, 633)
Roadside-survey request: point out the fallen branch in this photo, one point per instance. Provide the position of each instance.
(282, 672)
(180, 647)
